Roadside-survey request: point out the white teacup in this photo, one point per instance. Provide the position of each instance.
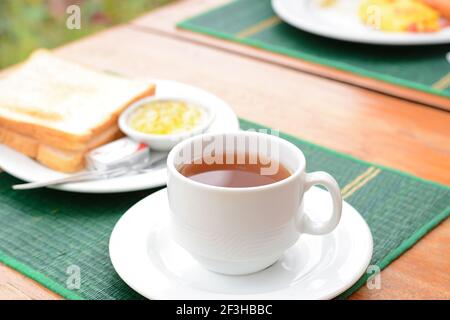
(243, 230)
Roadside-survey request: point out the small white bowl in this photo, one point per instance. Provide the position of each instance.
(167, 141)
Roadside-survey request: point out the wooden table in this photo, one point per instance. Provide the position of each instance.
(293, 96)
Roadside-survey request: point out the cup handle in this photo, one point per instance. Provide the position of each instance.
(308, 225)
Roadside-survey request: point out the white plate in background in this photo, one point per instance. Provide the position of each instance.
(341, 22)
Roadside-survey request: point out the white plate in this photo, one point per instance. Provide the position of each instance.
(316, 267)
(341, 22)
(29, 170)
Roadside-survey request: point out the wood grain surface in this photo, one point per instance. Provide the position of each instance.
(164, 21)
(367, 124)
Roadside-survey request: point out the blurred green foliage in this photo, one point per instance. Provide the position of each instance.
(29, 24)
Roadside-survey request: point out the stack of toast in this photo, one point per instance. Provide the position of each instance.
(55, 111)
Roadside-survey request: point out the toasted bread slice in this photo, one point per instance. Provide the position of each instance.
(60, 160)
(56, 158)
(63, 104)
(26, 145)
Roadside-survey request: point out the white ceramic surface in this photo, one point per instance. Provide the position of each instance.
(243, 230)
(167, 142)
(342, 22)
(29, 170)
(316, 267)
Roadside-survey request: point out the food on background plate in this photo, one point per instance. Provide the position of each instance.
(443, 6)
(55, 111)
(166, 117)
(327, 3)
(402, 15)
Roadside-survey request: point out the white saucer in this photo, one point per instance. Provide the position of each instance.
(25, 168)
(341, 22)
(316, 267)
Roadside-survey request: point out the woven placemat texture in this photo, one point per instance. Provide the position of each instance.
(44, 233)
(253, 22)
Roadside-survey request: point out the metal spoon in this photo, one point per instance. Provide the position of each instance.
(95, 174)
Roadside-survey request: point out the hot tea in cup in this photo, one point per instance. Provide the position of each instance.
(235, 174)
(236, 199)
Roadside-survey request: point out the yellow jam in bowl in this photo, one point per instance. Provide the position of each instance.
(166, 117)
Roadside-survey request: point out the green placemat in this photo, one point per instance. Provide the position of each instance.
(47, 234)
(253, 22)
